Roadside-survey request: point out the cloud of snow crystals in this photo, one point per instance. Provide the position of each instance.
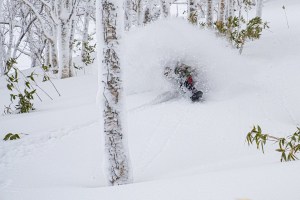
(148, 49)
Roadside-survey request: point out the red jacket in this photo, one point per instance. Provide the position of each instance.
(190, 80)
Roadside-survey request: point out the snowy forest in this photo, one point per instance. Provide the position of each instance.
(149, 99)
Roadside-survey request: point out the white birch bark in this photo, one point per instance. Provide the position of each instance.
(209, 14)
(221, 12)
(10, 35)
(47, 54)
(1, 55)
(63, 53)
(259, 7)
(32, 49)
(66, 14)
(117, 166)
(53, 55)
(147, 15)
(165, 8)
(71, 47)
(128, 14)
(1, 43)
(85, 34)
(140, 12)
(230, 9)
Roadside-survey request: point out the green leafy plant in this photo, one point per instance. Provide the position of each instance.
(193, 17)
(248, 4)
(11, 136)
(89, 49)
(22, 99)
(287, 146)
(238, 29)
(238, 36)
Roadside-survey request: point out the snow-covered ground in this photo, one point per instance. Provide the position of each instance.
(179, 150)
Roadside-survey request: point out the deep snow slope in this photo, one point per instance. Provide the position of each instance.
(179, 150)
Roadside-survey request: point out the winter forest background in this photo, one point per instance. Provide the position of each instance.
(86, 104)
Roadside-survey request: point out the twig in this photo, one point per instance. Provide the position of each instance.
(36, 86)
(287, 21)
(54, 87)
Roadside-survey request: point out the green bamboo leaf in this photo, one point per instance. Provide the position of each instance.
(258, 129)
(284, 156)
(9, 87)
(7, 136)
(27, 84)
(262, 147)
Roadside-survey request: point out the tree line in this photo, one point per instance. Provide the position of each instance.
(47, 31)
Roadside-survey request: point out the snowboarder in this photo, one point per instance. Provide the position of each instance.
(183, 74)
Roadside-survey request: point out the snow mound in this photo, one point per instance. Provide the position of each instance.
(148, 49)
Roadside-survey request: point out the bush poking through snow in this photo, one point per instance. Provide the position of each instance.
(11, 136)
(193, 18)
(238, 36)
(87, 59)
(288, 147)
(87, 53)
(24, 98)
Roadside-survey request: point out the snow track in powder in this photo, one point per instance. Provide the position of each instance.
(33, 141)
(160, 138)
(162, 98)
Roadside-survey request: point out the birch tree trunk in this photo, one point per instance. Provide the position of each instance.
(85, 30)
(64, 39)
(118, 166)
(192, 12)
(53, 53)
(66, 14)
(165, 8)
(140, 12)
(2, 60)
(71, 47)
(47, 54)
(230, 8)
(1, 44)
(221, 12)
(259, 7)
(11, 37)
(209, 15)
(147, 15)
(31, 46)
(1, 56)
(128, 14)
